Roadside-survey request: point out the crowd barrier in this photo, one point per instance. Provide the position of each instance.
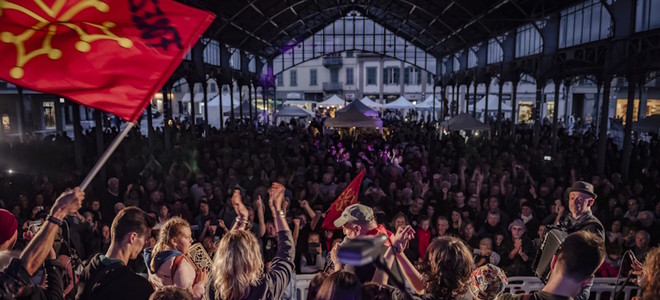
(602, 289)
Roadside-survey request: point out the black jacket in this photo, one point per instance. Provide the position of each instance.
(15, 276)
(109, 279)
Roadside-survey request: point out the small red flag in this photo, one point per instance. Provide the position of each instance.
(111, 55)
(347, 198)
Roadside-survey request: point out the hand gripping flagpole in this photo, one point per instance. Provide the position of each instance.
(105, 156)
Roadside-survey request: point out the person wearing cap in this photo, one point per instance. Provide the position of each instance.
(581, 198)
(518, 251)
(358, 220)
(8, 230)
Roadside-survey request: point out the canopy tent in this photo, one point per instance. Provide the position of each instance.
(237, 109)
(371, 103)
(299, 103)
(333, 101)
(353, 118)
(648, 124)
(365, 110)
(492, 104)
(400, 103)
(428, 104)
(293, 111)
(464, 122)
(226, 101)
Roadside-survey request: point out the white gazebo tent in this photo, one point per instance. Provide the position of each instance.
(492, 106)
(399, 103)
(214, 109)
(333, 101)
(371, 103)
(365, 110)
(353, 118)
(428, 104)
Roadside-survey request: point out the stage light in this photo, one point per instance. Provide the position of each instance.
(10, 171)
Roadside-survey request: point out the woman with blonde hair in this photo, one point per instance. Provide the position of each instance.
(238, 267)
(168, 263)
(648, 274)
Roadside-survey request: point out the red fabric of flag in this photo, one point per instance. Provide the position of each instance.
(111, 55)
(347, 198)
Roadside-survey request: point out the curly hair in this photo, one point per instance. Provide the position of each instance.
(237, 265)
(447, 267)
(651, 274)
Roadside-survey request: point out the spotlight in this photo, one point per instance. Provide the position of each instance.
(10, 171)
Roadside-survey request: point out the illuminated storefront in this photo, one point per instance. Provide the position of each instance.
(652, 108)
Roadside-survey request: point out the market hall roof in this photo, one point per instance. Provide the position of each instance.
(439, 27)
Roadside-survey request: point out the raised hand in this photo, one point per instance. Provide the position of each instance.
(68, 202)
(238, 205)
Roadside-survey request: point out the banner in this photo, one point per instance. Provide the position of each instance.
(111, 55)
(347, 198)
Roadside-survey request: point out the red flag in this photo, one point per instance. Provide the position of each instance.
(107, 54)
(347, 198)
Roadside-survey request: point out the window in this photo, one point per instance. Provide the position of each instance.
(349, 75)
(334, 75)
(312, 77)
(495, 52)
(213, 87)
(349, 53)
(646, 16)
(280, 80)
(371, 75)
(391, 75)
(294, 78)
(177, 88)
(586, 22)
(201, 88)
(429, 78)
(528, 41)
(412, 76)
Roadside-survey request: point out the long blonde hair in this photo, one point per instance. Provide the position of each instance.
(237, 265)
(172, 228)
(651, 270)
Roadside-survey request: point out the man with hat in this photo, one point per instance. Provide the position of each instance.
(358, 220)
(8, 230)
(581, 198)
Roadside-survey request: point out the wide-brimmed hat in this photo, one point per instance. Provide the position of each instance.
(582, 187)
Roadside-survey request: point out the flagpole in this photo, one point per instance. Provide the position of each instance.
(105, 156)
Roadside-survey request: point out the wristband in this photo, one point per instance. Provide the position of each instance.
(241, 220)
(54, 220)
(280, 213)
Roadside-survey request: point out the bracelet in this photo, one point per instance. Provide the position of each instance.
(241, 220)
(281, 213)
(54, 220)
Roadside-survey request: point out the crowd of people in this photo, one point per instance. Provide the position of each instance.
(453, 206)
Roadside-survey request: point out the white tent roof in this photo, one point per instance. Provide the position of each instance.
(293, 111)
(333, 101)
(492, 104)
(371, 103)
(428, 104)
(464, 122)
(199, 97)
(226, 101)
(400, 103)
(365, 110)
(353, 118)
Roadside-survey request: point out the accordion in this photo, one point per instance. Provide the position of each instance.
(550, 242)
